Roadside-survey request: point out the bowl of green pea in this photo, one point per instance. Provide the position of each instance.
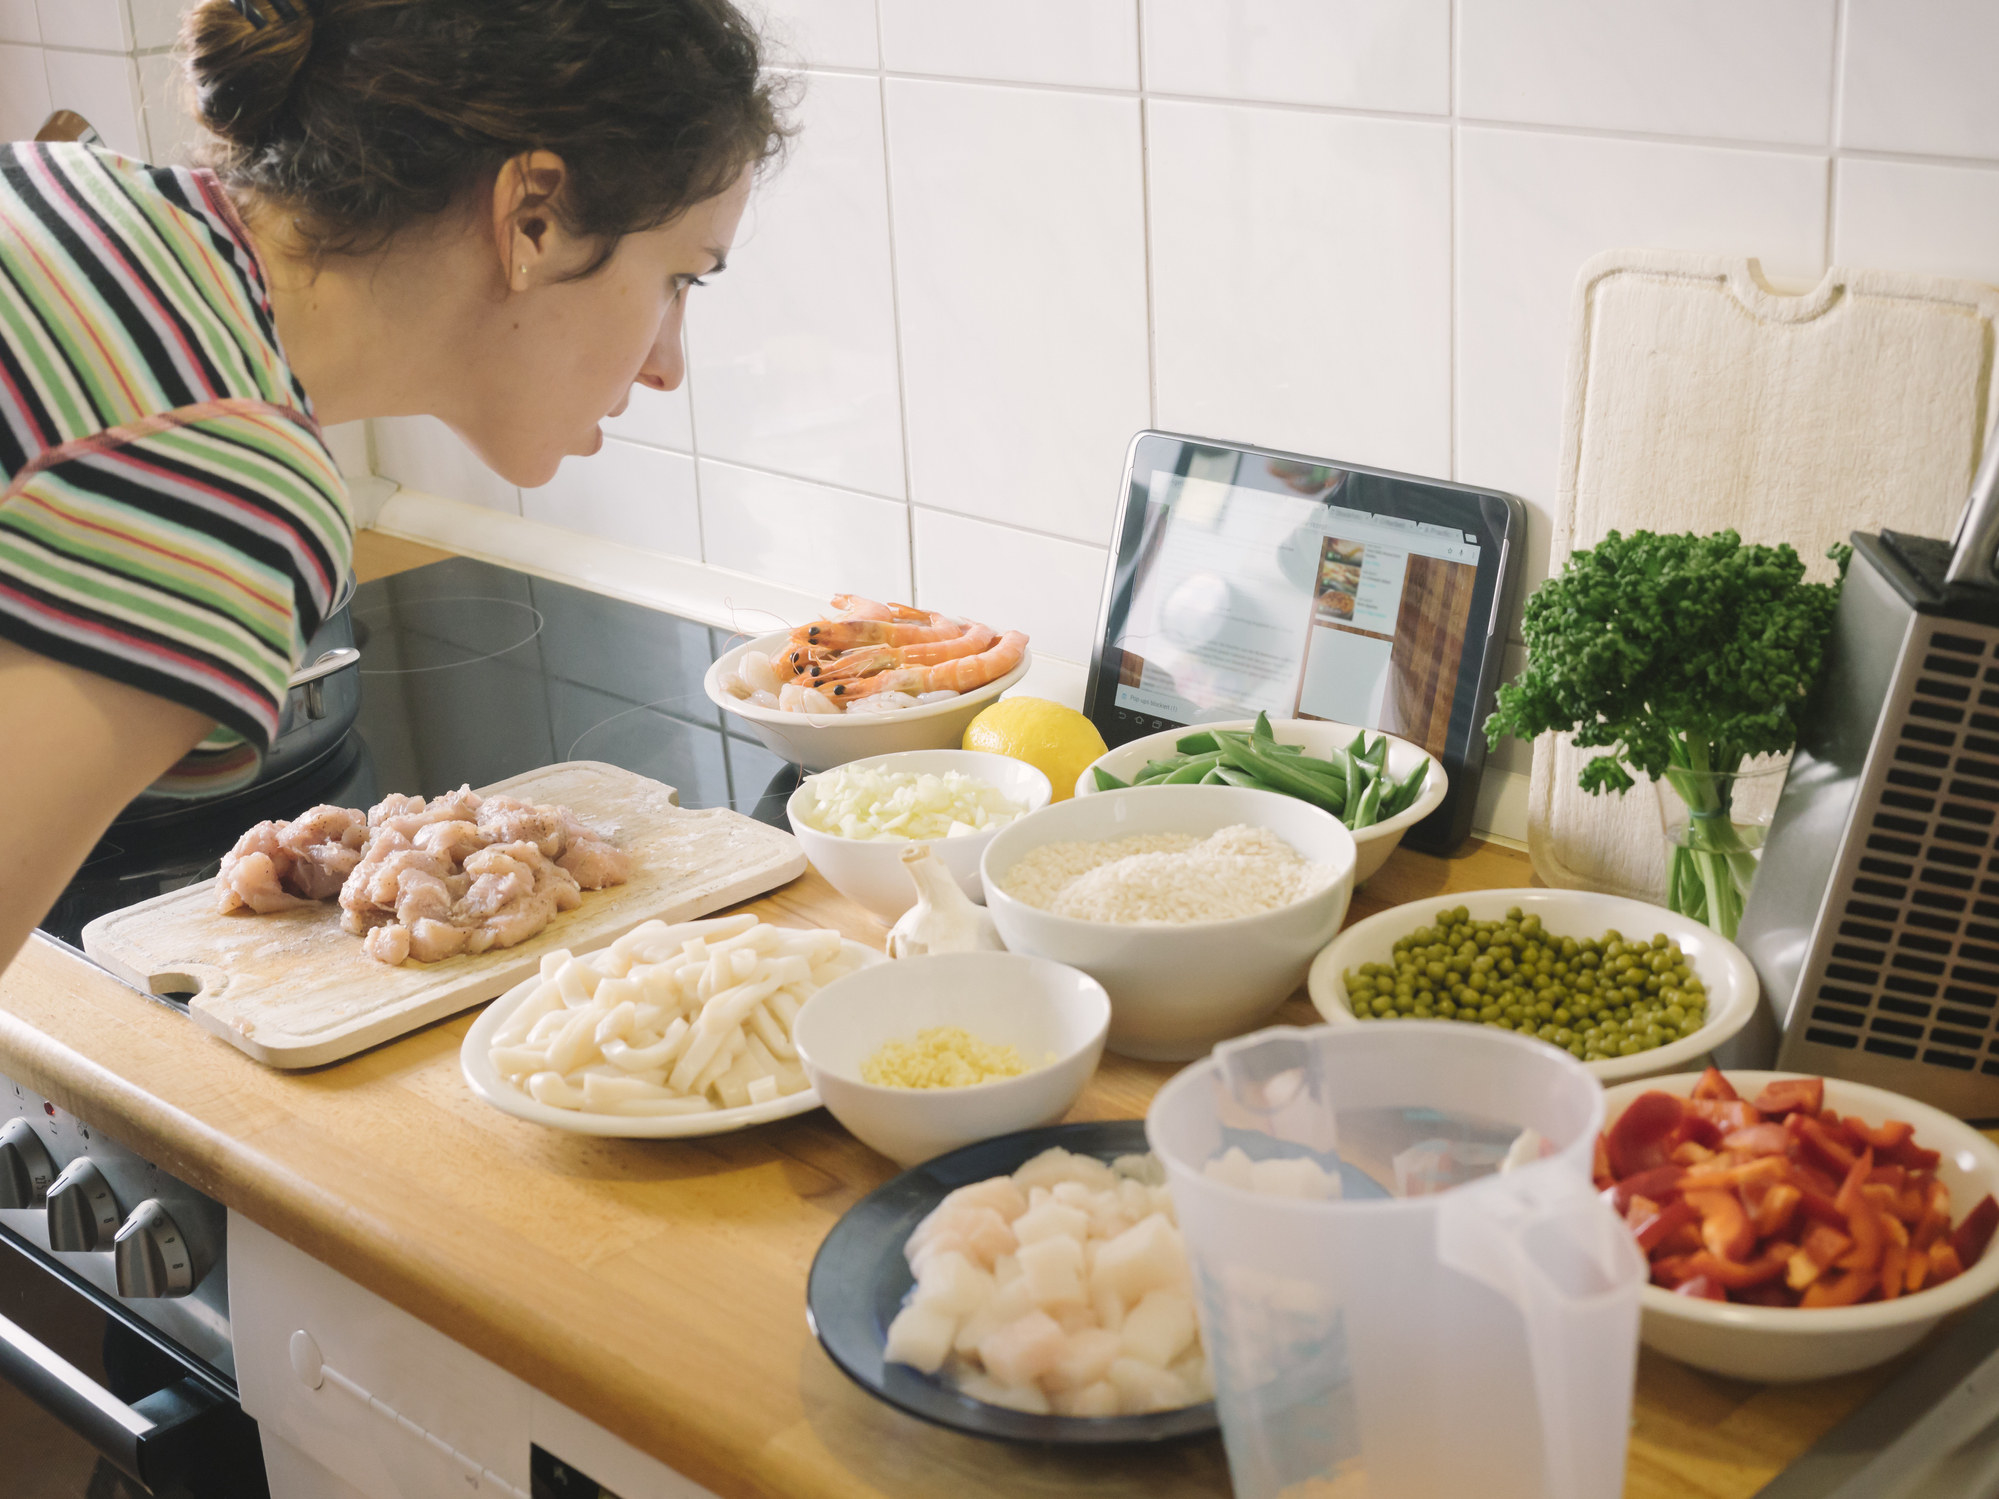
(1629, 989)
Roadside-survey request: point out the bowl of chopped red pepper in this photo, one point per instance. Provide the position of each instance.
(1797, 1227)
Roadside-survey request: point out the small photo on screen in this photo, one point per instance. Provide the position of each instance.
(1345, 551)
(1340, 566)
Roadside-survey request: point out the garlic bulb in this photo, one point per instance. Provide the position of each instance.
(944, 918)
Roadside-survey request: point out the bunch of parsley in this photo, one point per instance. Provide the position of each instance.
(1679, 656)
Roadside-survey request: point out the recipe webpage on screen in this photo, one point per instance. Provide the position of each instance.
(1248, 600)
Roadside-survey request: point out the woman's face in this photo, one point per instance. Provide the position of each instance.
(561, 355)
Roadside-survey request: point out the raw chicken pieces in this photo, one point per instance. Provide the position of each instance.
(278, 865)
(429, 880)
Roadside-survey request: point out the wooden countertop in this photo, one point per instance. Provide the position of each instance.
(658, 1286)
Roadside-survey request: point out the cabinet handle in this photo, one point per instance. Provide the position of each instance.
(312, 1371)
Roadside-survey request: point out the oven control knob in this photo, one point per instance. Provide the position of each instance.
(83, 1215)
(25, 1167)
(150, 1256)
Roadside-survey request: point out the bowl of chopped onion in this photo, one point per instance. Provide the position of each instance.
(880, 724)
(855, 820)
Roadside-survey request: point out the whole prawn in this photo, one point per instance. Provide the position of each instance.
(794, 660)
(961, 674)
(866, 660)
(845, 634)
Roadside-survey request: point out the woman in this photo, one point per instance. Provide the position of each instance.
(489, 211)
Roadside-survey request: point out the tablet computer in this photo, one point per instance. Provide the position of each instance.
(1245, 580)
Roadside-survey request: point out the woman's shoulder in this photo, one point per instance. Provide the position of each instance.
(135, 286)
(134, 314)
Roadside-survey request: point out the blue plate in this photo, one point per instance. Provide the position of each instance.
(859, 1279)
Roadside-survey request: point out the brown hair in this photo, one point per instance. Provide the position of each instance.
(363, 117)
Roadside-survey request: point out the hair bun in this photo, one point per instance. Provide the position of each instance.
(242, 70)
(361, 118)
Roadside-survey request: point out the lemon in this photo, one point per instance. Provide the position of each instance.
(1057, 741)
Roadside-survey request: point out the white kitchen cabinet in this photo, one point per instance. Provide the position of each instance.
(356, 1399)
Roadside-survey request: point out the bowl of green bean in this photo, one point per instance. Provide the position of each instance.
(1627, 988)
(1376, 784)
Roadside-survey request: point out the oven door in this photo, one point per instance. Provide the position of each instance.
(125, 1410)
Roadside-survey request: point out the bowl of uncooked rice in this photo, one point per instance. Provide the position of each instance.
(1198, 908)
(1175, 878)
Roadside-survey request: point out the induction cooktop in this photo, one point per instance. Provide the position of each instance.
(471, 673)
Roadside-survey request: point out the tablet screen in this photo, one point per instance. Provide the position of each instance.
(1250, 582)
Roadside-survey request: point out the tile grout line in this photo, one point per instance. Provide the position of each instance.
(1835, 107)
(1133, 93)
(851, 492)
(1917, 159)
(1145, 220)
(1451, 250)
(779, 473)
(693, 434)
(1453, 119)
(895, 306)
(1015, 526)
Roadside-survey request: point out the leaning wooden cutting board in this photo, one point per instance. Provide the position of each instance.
(293, 990)
(1700, 398)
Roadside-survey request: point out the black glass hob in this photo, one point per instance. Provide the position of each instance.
(471, 673)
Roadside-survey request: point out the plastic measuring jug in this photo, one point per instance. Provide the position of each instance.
(1448, 1311)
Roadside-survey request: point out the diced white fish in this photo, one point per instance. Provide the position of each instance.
(1063, 1288)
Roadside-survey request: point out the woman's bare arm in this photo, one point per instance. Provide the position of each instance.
(74, 749)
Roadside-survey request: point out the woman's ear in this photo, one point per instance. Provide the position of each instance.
(525, 231)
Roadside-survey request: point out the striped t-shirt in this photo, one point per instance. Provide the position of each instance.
(169, 516)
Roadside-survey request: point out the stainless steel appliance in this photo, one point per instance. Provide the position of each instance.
(322, 701)
(114, 1307)
(1874, 920)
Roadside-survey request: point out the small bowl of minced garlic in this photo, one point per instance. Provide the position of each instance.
(931, 1053)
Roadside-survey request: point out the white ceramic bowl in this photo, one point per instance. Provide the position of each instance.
(1784, 1344)
(870, 872)
(1176, 990)
(820, 741)
(1718, 963)
(1319, 737)
(475, 1062)
(1041, 1008)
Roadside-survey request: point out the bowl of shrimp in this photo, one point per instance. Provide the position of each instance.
(868, 679)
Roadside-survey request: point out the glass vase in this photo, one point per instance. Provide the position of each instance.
(1715, 822)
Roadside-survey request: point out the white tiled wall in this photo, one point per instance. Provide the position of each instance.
(105, 59)
(1262, 291)
(631, 492)
(1532, 205)
(1021, 284)
(1011, 234)
(1389, 55)
(797, 340)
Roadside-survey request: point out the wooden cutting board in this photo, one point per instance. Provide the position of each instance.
(293, 990)
(1700, 398)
